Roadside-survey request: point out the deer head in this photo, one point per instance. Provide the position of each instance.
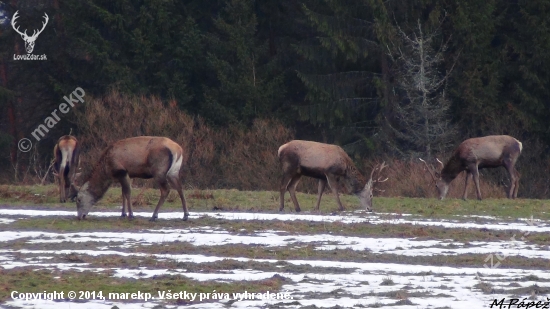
(29, 40)
(442, 186)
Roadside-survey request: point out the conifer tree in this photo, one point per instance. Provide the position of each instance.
(424, 122)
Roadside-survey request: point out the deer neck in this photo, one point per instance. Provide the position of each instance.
(355, 182)
(100, 181)
(451, 169)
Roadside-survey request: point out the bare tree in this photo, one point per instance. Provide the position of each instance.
(423, 122)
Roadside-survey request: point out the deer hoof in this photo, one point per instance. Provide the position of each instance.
(131, 216)
(123, 215)
(153, 219)
(185, 217)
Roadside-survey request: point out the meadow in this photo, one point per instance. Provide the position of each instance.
(410, 252)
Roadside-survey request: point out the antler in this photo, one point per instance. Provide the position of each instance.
(43, 26)
(382, 166)
(429, 169)
(15, 16)
(34, 33)
(378, 167)
(442, 165)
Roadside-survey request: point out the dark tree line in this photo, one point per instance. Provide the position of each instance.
(338, 71)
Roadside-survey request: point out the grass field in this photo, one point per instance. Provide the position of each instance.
(410, 253)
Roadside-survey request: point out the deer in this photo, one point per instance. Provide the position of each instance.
(29, 40)
(142, 157)
(475, 154)
(66, 161)
(327, 163)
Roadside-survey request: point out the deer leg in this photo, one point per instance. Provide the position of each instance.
(68, 182)
(62, 196)
(123, 212)
(67, 189)
(512, 172)
(164, 190)
(292, 189)
(465, 194)
(516, 187)
(333, 183)
(176, 184)
(126, 196)
(321, 189)
(475, 174)
(285, 185)
(71, 189)
(285, 181)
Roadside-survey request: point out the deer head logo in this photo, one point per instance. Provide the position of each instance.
(29, 40)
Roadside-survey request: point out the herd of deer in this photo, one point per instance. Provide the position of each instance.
(161, 158)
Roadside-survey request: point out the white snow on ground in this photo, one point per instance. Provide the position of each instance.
(525, 225)
(211, 237)
(444, 286)
(361, 267)
(6, 221)
(456, 283)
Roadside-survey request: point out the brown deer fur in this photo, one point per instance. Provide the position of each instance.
(138, 157)
(328, 163)
(477, 153)
(66, 160)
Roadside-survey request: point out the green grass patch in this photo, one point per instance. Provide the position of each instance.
(145, 199)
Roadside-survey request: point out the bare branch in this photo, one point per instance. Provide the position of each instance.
(47, 172)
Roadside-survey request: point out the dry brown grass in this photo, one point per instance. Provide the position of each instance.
(216, 158)
(411, 179)
(246, 158)
(200, 195)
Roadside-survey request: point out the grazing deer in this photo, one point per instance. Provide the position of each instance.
(145, 157)
(66, 160)
(477, 153)
(328, 163)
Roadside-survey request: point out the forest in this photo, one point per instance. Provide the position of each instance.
(233, 80)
